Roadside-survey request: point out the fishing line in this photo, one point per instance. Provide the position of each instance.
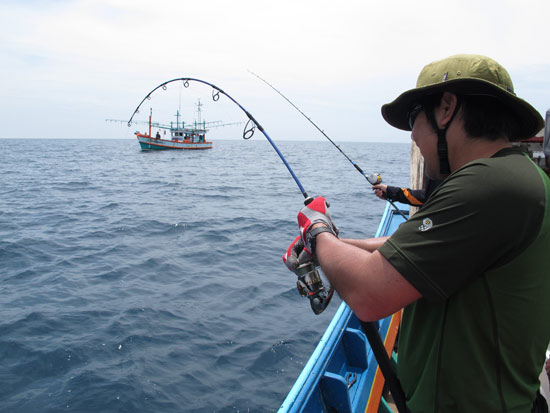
(369, 328)
(249, 128)
(372, 178)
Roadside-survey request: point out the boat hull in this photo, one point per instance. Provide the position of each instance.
(148, 143)
(342, 373)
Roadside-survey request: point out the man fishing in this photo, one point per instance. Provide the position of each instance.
(470, 268)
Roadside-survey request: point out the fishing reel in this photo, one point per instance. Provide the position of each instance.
(310, 284)
(374, 178)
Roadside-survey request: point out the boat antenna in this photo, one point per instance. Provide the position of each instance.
(249, 128)
(373, 178)
(199, 105)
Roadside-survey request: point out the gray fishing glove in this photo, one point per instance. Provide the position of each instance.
(296, 255)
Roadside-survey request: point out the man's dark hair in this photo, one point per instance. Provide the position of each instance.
(486, 117)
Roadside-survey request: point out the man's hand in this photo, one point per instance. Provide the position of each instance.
(316, 212)
(295, 255)
(380, 191)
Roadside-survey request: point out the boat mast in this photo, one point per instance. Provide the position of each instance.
(177, 119)
(199, 104)
(150, 116)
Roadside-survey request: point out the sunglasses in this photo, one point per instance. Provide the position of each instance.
(414, 113)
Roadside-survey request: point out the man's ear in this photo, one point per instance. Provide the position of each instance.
(444, 112)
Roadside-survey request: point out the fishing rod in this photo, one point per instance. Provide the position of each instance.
(369, 328)
(373, 178)
(309, 283)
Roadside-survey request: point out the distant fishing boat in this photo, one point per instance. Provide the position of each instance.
(181, 137)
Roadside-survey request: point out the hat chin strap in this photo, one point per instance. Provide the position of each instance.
(442, 148)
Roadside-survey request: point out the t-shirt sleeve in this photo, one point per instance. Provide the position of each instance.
(465, 229)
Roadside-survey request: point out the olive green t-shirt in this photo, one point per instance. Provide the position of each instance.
(478, 252)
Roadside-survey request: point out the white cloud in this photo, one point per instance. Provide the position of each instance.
(85, 60)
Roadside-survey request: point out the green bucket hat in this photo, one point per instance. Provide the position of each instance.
(464, 74)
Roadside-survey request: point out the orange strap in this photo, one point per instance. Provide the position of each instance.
(411, 198)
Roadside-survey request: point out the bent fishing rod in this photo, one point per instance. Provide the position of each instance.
(373, 178)
(310, 283)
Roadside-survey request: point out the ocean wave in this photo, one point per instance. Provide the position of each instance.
(132, 282)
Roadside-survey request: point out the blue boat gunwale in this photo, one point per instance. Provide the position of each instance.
(310, 378)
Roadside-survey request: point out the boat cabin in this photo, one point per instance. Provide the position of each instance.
(188, 135)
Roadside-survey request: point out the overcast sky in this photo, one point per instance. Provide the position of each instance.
(67, 65)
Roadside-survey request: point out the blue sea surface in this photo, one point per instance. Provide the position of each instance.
(138, 281)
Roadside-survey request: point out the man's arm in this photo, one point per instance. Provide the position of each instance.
(368, 244)
(414, 197)
(365, 280)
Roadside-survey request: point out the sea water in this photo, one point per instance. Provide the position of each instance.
(138, 281)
